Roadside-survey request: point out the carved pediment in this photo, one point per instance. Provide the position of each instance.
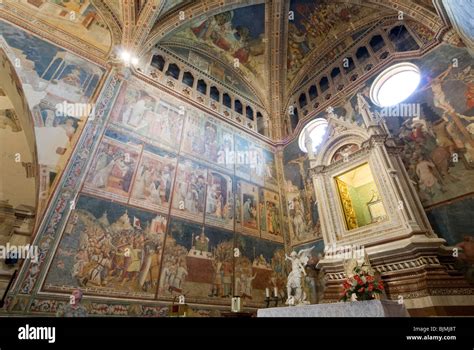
(337, 124)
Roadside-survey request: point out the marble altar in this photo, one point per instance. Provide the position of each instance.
(366, 308)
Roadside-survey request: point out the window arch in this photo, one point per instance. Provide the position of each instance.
(249, 112)
(349, 65)
(201, 86)
(324, 84)
(173, 71)
(188, 79)
(302, 100)
(376, 43)
(214, 93)
(238, 106)
(362, 54)
(294, 118)
(402, 39)
(312, 92)
(158, 62)
(226, 100)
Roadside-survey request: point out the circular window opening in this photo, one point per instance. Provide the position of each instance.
(395, 84)
(316, 129)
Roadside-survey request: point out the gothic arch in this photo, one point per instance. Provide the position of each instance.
(19, 183)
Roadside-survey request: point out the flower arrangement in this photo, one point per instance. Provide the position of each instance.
(361, 284)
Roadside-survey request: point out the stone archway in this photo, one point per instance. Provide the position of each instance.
(19, 183)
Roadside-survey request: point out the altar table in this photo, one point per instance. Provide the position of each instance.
(366, 308)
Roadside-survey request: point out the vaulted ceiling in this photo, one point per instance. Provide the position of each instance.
(263, 48)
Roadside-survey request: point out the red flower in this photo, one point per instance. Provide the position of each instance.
(371, 287)
(370, 278)
(380, 286)
(361, 290)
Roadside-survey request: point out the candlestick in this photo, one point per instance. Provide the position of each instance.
(267, 292)
(275, 291)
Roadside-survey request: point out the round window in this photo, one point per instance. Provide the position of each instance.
(316, 130)
(395, 84)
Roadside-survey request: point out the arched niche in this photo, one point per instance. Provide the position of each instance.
(19, 181)
(371, 161)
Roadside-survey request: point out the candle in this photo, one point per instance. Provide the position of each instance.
(275, 291)
(267, 292)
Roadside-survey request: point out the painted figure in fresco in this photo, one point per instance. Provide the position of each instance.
(73, 308)
(211, 199)
(73, 77)
(275, 220)
(249, 211)
(202, 242)
(299, 225)
(238, 215)
(99, 273)
(218, 279)
(219, 31)
(227, 278)
(103, 167)
(220, 206)
(270, 218)
(180, 275)
(466, 257)
(191, 197)
(132, 261)
(103, 171)
(424, 171)
(166, 183)
(68, 126)
(263, 215)
(150, 265)
(127, 176)
(449, 113)
(210, 142)
(246, 280)
(201, 189)
(135, 113)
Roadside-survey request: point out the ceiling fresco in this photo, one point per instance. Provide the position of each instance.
(252, 47)
(235, 37)
(76, 17)
(312, 23)
(169, 5)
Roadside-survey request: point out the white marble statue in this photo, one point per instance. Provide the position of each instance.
(294, 285)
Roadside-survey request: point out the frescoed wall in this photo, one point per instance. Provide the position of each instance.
(76, 17)
(109, 249)
(259, 265)
(162, 206)
(198, 263)
(436, 128)
(58, 87)
(435, 131)
(175, 201)
(301, 203)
